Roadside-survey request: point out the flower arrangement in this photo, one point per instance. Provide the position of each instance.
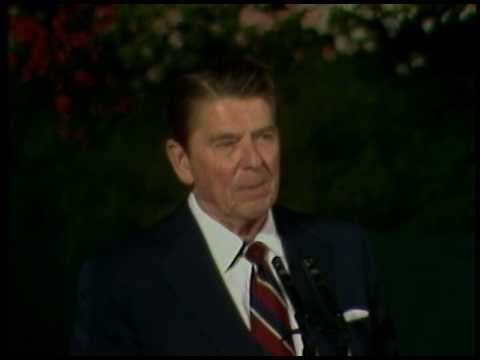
(65, 49)
(85, 51)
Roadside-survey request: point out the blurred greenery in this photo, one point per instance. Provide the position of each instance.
(371, 137)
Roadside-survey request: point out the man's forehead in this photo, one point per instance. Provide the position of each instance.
(221, 132)
(225, 103)
(231, 112)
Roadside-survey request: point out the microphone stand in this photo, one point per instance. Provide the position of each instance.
(318, 317)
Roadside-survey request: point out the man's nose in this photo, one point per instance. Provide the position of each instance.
(251, 156)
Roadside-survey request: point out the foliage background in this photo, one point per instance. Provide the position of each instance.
(377, 109)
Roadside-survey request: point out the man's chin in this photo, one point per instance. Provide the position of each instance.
(254, 210)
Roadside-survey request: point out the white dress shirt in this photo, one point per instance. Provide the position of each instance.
(224, 246)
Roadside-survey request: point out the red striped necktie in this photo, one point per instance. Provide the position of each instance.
(270, 324)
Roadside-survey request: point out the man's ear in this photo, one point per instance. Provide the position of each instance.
(180, 161)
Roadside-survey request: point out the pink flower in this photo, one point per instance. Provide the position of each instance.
(300, 7)
(175, 39)
(314, 19)
(250, 16)
(159, 26)
(240, 39)
(216, 29)
(174, 17)
(283, 14)
(106, 15)
(298, 54)
(105, 11)
(328, 53)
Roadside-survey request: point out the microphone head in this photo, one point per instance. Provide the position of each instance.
(278, 265)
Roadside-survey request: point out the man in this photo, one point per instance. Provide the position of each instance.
(196, 284)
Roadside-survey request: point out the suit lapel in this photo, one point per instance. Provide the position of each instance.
(198, 284)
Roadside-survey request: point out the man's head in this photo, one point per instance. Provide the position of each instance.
(225, 142)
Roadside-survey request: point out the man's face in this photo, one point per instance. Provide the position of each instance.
(233, 158)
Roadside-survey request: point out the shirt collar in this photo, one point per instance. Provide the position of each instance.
(225, 246)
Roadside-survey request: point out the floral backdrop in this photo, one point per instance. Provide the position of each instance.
(82, 51)
(377, 108)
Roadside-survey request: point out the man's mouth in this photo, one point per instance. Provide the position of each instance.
(253, 186)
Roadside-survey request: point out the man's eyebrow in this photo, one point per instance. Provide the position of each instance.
(235, 136)
(224, 136)
(265, 129)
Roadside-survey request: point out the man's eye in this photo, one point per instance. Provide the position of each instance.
(266, 136)
(226, 143)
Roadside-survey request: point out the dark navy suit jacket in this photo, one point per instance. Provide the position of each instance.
(162, 294)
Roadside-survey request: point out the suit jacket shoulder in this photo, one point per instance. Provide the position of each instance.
(158, 292)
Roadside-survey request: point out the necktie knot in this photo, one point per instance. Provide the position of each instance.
(257, 254)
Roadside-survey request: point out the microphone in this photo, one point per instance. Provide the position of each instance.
(326, 306)
(303, 318)
(287, 282)
(318, 316)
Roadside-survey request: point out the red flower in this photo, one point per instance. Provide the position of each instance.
(63, 132)
(95, 54)
(124, 106)
(63, 104)
(25, 28)
(106, 15)
(28, 29)
(61, 56)
(77, 134)
(58, 23)
(79, 39)
(82, 78)
(12, 59)
(105, 11)
(39, 54)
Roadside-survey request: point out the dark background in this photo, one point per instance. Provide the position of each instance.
(368, 136)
